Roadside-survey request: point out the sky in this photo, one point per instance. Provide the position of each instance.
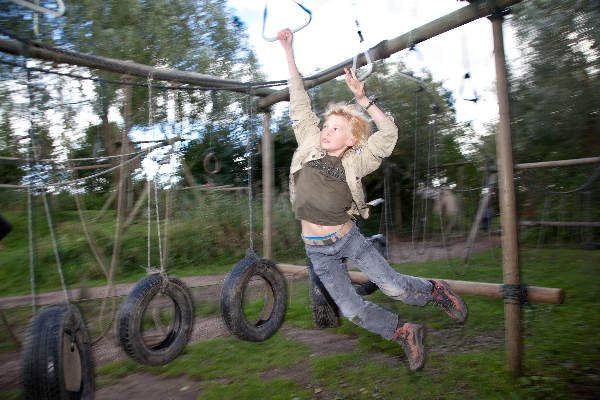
(331, 38)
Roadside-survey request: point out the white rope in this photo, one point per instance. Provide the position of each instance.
(30, 152)
(55, 248)
(249, 150)
(148, 181)
(66, 161)
(160, 256)
(149, 230)
(30, 245)
(46, 208)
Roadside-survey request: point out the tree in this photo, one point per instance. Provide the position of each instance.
(201, 36)
(9, 170)
(555, 103)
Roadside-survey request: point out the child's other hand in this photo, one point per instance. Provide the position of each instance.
(356, 86)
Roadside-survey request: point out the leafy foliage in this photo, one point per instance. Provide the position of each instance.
(556, 98)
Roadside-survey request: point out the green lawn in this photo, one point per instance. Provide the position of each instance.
(560, 358)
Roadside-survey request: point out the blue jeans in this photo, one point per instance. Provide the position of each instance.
(328, 265)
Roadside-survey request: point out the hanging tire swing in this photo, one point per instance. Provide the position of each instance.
(141, 335)
(57, 358)
(211, 163)
(326, 313)
(253, 299)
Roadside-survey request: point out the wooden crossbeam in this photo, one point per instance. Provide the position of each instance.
(561, 223)
(534, 293)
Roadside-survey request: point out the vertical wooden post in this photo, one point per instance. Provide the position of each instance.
(481, 211)
(268, 178)
(508, 213)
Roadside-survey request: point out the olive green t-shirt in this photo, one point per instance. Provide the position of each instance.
(322, 194)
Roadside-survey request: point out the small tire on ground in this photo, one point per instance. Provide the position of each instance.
(57, 359)
(130, 316)
(232, 299)
(326, 313)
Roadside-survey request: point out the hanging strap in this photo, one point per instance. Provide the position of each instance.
(364, 75)
(272, 39)
(249, 150)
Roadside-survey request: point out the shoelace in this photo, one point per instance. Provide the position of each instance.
(441, 299)
(401, 335)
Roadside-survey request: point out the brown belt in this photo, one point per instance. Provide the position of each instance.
(334, 237)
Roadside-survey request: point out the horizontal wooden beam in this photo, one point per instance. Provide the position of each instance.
(559, 163)
(81, 167)
(561, 223)
(534, 293)
(42, 52)
(213, 187)
(384, 49)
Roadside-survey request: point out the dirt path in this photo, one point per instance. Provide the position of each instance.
(404, 251)
(142, 386)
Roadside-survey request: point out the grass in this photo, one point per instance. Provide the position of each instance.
(560, 347)
(560, 359)
(204, 239)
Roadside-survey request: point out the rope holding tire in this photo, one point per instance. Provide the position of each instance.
(236, 288)
(57, 359)
(160, 346)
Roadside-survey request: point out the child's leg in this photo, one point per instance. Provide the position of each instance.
(408, 289)
(334, 276)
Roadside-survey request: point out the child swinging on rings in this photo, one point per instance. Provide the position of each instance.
(326, 192)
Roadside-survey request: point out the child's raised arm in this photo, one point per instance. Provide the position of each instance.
(286, 38)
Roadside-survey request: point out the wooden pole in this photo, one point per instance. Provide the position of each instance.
(58, 55)
(494, 290)
(268, 178)
(559, 163)
(483, 206)
(137, 205)
(125, 146)
(382, 50)
(508, 212)
(573, 224)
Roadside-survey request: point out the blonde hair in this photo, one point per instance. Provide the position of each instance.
(359, 123)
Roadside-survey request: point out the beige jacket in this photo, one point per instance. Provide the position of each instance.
(357, 163)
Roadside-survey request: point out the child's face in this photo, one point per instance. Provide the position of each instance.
(336, 135)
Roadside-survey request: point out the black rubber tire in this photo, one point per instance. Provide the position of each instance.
(232, 299)
(57, 358)
(366, 288)
(131, 313)
(211, 157)
(326, 313)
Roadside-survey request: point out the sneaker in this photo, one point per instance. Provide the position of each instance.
(444, 297)
(410, 336)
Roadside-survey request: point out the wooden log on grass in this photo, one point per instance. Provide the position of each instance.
(534, 293)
